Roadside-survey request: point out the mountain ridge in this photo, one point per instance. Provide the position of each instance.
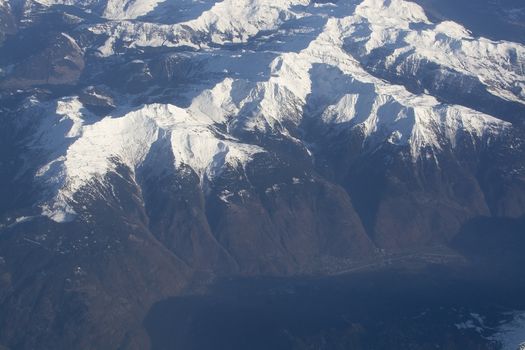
(145, 154)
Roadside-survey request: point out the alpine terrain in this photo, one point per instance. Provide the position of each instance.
(151, 149)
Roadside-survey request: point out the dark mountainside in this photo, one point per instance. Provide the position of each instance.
(360, 190)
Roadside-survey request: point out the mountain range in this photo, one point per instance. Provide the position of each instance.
(149, 147)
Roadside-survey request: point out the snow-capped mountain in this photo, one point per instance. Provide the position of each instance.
(244, 137)
(325, 80)
(115, 10)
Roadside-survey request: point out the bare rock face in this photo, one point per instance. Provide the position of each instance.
(74, 276)
(288, 227)
(61, 62)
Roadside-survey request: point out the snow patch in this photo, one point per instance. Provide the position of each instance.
(511, 335)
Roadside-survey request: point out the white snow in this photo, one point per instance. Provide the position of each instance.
(129, 9)
(307, 66)
(228, 21)
(374, 105)
(373, 24)
(226, 195)
(100, 147)
(113, 9)
(511, 335)
(21, 220)
(447, 44)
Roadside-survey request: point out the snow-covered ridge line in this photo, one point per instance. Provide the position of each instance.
(321, 79)
(399, 26)
(498, 65)
(100, 147)
(229, 21)
(113, 9)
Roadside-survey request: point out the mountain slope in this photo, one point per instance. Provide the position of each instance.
(159, 150)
